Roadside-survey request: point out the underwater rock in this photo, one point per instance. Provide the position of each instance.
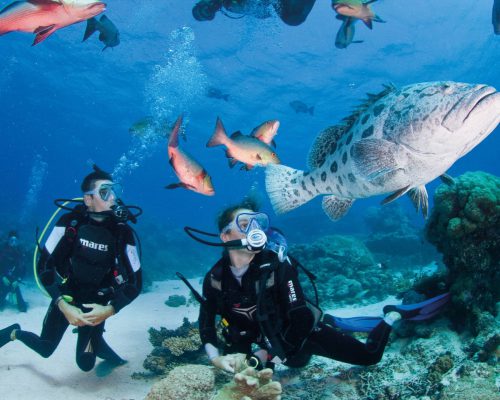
(175, 300)
(251, 384)
(193, 382)
(465, 227)
(346, 269)
(174, 347)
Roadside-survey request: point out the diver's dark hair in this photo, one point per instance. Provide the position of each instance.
(227, 215)
(88, 182)
(13, 233)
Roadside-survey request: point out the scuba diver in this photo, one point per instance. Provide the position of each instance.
(90, 267)
(12, 271)
(291, 12)
(265, 315)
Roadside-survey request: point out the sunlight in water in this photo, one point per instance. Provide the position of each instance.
(173, 88)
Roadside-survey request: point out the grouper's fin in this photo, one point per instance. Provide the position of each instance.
(420, 199)
(376, 159)
(336, 207)
(179, 185)
(396, 195)
(284, 186)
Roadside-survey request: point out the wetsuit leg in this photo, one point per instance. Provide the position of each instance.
(54, 326)
(86, 345)
(3, 294)
(294, 12)
(21, 304)
(328, 342)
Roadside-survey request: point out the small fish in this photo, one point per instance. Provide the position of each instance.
(495, 17)
(191, 174)
(357, 9)
(394, 143)
(345, 35)
(108, 35)
(149, 126)
(300, 107)
(266, 132)
(215, 93)
(246, 149)
(44, 17)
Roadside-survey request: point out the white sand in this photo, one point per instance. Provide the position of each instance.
(26, 375)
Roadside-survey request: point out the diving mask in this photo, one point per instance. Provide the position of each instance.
(247, 221)
(105, 190)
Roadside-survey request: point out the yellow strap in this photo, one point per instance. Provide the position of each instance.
(35, 253)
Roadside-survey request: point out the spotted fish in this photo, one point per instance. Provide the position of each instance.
(396, 142)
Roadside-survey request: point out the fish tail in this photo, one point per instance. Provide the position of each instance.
(173, 140)
(219, 137)
(90, 29)
(285, 188)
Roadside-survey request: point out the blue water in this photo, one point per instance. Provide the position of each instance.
(65, 104)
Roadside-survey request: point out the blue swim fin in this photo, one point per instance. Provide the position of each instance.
(420, 311)
(412, 312)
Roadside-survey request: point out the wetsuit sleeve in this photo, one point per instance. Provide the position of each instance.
(300, 319)
(208, 312)
(55, 256)
(128, 289)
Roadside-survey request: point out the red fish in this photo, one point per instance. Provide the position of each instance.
(44, 17)
(191, 174)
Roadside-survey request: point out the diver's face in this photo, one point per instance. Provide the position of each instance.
(95, 202)
(231, 232)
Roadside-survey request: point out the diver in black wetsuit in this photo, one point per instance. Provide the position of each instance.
(12, 270)
(264, 313)
(90, 268)
(291, 12)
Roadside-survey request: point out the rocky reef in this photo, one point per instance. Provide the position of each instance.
(173, 348)
(465, 227)
(396, 240)
(346, 269)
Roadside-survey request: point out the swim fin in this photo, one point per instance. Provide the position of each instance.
(420, 311)
(5, 334)
(412, 312)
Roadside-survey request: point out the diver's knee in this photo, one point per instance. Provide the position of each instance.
(85, 361)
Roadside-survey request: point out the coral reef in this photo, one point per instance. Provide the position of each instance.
(434, 368)
(175, 300)
(174, 347)
(465, 227)
(251, 384)
(193, 382)
(346, 269)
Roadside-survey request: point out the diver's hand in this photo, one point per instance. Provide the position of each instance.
(98, 313)
(6, 281)
(73, 314)
(230, 363)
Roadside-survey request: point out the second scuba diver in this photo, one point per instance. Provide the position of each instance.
(90, 267)
(12, 271)
(264, 312)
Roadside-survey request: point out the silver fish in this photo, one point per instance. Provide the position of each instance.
(396, 142)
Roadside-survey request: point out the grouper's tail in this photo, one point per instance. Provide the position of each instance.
(286, 188)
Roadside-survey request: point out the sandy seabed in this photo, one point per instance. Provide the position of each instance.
(26, 375)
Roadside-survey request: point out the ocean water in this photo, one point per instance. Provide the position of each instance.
(65, 104)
